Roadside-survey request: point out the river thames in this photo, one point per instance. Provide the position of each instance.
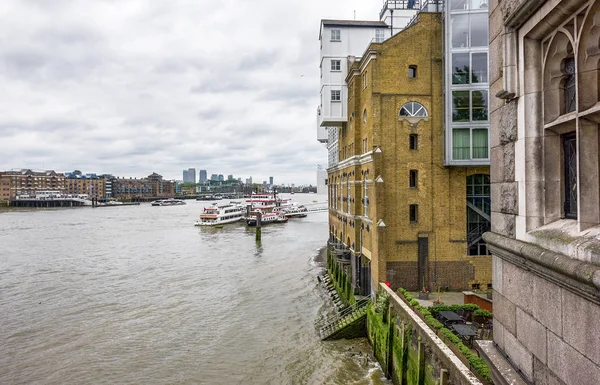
(138, 295)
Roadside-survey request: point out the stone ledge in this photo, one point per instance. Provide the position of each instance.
(467, 377)
(503, 373)
(576, 276)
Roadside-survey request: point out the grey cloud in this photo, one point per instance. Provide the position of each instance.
(133, 87)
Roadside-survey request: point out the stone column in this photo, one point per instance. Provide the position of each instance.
(588, 173)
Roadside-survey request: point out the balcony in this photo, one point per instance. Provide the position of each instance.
(333, 113)
(321, 130)
(399, 4)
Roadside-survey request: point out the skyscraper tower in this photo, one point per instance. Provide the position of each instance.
(203, 176)
(192, 175)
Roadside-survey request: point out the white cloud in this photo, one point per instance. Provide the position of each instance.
(130, 87)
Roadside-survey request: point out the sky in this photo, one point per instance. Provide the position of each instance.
(131, 87)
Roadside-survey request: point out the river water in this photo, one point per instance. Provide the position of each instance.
(138, 295)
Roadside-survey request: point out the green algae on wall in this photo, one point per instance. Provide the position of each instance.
(342, 283)
(398, 349)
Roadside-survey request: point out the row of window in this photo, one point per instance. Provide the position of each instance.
(336, 34)
(336, 65)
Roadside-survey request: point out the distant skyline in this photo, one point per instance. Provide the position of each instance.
(130, 88)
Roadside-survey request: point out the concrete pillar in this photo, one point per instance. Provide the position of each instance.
(421, 363)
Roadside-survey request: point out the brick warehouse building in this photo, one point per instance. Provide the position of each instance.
(402, 212)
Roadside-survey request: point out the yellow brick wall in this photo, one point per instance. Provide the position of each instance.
(440, 192)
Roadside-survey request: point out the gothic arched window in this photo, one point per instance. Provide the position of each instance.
(569, 84)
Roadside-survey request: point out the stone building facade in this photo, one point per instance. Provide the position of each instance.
(153, 186)
(394, 204)
(545, 238)
(94, 187)
(28, 182)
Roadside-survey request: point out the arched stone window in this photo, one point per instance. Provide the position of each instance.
(588, 60)
(413, 109)
(569, 83)
(559, 61)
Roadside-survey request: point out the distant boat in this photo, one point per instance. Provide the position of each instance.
(294, 211)
(266, 219)
(267, 202)
(168, 202)
(220, 215)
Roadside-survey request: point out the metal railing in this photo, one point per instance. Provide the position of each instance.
(399, 4)
(428, 6)
(475, 234)
(330, 325)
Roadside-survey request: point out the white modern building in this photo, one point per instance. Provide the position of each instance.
(340, 39)
(321, 179)
(347, 39)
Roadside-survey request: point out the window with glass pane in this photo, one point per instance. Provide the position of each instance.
(479, 4)
(460, 68)
(480, 143)
(413, 141)
(461, 144)
(412, 178)
(569, 143)
(460, 106)
(413, 213)
(479, 105)
(478, 212)
(460, 30)
(336, 65)
(479, 70)
(569, 82)
(459, 4)
(479, 30)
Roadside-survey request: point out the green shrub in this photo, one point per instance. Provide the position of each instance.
(483, 313)
(477, 364)
(431, 321)
(470, 307)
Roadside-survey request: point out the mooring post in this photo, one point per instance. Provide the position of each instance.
(258, 226)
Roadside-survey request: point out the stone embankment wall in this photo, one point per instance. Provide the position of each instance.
(408, 350)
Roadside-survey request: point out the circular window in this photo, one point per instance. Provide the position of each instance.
(365, 115)
(413, 109)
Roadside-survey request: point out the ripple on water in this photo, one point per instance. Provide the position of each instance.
(138, 294)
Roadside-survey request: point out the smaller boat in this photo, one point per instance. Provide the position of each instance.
(168, 202)
(218, 215)
(295, 211)
(266, 219)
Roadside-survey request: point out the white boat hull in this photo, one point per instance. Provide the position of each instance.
(221, 222)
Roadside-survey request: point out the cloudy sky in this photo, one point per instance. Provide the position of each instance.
(129, 87)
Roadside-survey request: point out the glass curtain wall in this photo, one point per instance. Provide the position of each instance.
(467, 79)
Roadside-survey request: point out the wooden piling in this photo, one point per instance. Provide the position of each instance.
(258, 227)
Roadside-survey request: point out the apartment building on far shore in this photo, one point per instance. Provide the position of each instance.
(28, 182)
